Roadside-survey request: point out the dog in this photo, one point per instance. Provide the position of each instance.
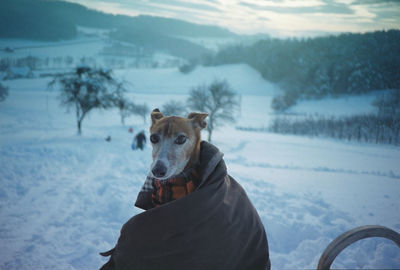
(196, 215)
(176, 142)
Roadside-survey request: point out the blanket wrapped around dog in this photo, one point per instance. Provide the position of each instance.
(214, 227)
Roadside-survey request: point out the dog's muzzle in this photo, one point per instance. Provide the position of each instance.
(159, 170)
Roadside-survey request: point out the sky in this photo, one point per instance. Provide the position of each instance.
(282, 18)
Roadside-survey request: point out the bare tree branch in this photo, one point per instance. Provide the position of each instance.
(218, 100)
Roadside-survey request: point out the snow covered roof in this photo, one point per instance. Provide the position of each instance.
(22, 71)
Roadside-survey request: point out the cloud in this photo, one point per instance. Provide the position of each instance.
(152, 7)
(195, 5)
(386, 13)
(282, 17)
(379, 2)
(329, 7)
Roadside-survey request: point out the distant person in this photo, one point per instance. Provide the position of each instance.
(108, 138)
(140, 140)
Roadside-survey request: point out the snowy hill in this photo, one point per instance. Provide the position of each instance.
(62, 20)
(64, 198)
(58, 20)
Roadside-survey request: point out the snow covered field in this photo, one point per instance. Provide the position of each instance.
(64, 198)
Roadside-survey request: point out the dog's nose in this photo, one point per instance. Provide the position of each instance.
(159, 169)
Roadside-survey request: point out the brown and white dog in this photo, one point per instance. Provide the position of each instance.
(197, 216)
(176, 142)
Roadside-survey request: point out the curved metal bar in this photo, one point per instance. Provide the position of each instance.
(349, 237)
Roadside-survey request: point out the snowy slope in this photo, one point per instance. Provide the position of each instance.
(348, 105)
(243, 79)
(64, 198)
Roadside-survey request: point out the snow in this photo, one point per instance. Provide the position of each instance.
(242, 78)
(213, 43)
(349, 105)
(64, 198)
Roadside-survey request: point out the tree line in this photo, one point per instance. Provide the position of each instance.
(323, 66)
(360, 128)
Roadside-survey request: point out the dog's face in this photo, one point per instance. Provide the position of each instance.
(174, 140)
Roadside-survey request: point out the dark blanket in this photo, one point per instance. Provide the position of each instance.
(214, 227)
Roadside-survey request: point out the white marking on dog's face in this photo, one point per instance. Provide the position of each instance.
(170, 154)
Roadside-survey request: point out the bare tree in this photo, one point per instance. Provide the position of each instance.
(141, 110)
(124, 107)
(128, 108)
(218, 100)
(86, 89)
(120, 101)
(3, 92)
(174, 107)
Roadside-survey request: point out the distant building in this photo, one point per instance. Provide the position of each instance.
(18, 73)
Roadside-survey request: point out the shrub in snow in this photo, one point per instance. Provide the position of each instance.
(187, 68)
(3, 92)
(284, 101)
(216, 99)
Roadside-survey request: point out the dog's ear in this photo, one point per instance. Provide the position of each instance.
(198, 119)
(156, 115)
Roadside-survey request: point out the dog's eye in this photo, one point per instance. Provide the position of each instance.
(154, 138)
(181, 139)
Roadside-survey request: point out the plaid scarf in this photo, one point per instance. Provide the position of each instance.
(174, 188)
